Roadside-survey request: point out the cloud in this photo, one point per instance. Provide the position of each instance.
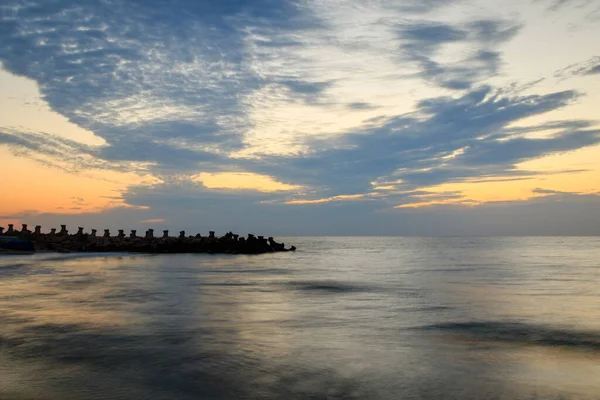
(203, 120)
(359, 105)
(246, 108)
(493, 31)
(51, 150)
(587, 12)
(134, 72)
(585, 68)
(445, 139)
(308, 91)
(551, 192)
(422, 41)
(431, 35)
(421, 6)
(594, 70)
(557, 5)
(488, 152)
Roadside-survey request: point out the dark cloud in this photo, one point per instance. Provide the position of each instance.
(173, 157)
(361, 106)
(588, 67)
(432, 34)
(462, 75)
(309, 92)
(423, 40)
(557, 5)
(415, 147)
(109, 66)
(303, 87)
(593, 70)
(490, 152)
(493, 31)
(551, 192)
(421, 6)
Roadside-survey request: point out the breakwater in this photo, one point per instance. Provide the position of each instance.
(63, 241)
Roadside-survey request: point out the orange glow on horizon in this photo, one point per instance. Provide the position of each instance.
(31, 187)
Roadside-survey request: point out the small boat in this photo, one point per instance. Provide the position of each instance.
(16, 245)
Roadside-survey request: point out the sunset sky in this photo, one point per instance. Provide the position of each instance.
(309, 117)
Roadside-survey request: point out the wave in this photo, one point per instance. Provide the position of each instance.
(329, 286)
(7, 267)
(14, 269)
(518, 332)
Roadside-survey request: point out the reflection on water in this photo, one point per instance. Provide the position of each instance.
(343, 318)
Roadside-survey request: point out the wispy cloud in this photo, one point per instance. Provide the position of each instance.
(586, 68)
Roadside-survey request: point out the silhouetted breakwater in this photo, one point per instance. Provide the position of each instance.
(62, 241)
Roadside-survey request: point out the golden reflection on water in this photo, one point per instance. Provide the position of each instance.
(355, 319)
(575, 372)
(69, 292)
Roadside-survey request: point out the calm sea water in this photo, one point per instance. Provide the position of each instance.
(342, 318)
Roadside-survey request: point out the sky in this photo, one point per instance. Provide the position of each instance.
(307, 117)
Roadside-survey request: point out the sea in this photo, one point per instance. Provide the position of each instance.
(340, 318)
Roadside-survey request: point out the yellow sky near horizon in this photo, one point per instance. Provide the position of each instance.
(242, 181)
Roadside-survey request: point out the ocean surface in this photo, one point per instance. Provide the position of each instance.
(342, 318)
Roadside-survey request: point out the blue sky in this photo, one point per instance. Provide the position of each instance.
(303, 117)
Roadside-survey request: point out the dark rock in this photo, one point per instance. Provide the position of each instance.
(230, 243)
